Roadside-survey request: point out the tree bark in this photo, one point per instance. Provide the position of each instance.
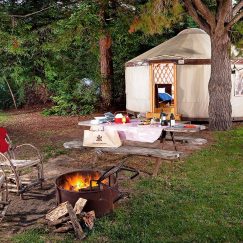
(106, 69)
(220, 85)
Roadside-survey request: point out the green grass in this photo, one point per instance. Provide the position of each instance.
(3, 117)
(52, 151)
(200, 200)
(40, 235)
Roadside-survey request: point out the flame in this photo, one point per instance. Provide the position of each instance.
(76, 182)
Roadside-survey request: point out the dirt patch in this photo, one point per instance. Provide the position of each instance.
(49, 134)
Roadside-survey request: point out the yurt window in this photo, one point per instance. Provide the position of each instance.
(164, 84)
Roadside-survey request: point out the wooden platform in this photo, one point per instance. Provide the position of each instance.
(133, 150)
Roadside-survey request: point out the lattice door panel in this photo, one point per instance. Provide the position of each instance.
(163, 73)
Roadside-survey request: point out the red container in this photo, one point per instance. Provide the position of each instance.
(127, 119)
(118, 120)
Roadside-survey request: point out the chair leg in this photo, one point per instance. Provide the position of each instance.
(40, 174)
(18, 182)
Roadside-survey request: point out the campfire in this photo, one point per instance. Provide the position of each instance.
(99, 188)
(80, 181)
(84, 195)
(89, 184)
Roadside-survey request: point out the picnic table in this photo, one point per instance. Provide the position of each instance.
(133, 131)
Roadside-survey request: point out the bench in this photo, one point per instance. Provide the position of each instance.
(132, 150)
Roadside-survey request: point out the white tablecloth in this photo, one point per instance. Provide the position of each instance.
(132, 131)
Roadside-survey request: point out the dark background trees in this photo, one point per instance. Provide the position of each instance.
(50, 52)
(72, 53)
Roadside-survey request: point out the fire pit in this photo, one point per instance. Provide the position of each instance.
(98, 187)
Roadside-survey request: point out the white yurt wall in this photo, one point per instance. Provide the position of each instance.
(236, 97)
(137, 88)
(192, 90)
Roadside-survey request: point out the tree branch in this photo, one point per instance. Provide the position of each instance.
(234, 20)
(30, 14)
(193, 13)
(205, 13)
(237, 8)
(222, 12)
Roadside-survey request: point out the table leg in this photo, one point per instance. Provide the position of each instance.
(162, 136)
(173, 140)
(157, 166)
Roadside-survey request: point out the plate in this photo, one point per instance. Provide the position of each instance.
(100, 118)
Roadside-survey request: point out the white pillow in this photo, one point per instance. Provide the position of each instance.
(161, 90)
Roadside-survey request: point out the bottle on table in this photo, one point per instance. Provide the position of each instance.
(163, 121)
(172, 120)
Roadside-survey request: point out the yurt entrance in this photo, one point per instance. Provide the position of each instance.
(163, 81)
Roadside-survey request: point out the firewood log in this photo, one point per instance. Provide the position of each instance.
(65, 228)
(79, 205)
(88, 219)
(76, 226)
(58, 212)
(59, 221)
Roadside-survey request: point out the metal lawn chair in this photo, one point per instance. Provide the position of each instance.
(22, 164)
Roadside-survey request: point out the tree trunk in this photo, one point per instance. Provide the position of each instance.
(106, 69)
(219, 86)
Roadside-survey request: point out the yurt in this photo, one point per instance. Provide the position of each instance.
(173, 77)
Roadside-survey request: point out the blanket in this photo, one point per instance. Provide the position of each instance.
(4, 146)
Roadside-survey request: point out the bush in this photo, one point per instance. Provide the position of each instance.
(81, 100)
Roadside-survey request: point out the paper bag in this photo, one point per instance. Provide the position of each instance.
(107, 138)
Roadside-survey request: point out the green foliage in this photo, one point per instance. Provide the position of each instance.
(81, 101)
(45, 57)
(51, 60)
(158, 16)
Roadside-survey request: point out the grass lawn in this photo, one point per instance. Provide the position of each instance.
(200, 200)
(3, 117)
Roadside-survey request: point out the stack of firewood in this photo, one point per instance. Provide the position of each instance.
(65, 218)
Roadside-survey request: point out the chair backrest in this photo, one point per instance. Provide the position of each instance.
(4, 145)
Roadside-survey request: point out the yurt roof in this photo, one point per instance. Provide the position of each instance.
(191, 43)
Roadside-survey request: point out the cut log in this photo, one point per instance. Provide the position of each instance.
(58, 212)
(59, 221)
(65, 228)
(76, 226)
(79, 205)
(89, 219)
